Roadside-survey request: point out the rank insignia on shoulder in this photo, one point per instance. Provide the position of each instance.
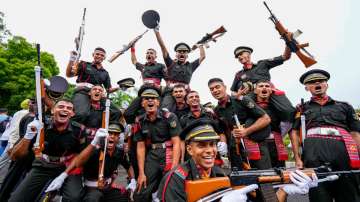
(356, 117)
(250, 105)
(173, 124)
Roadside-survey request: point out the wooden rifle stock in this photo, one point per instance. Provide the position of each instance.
(210, 37)
(102, 156)
(198, 189)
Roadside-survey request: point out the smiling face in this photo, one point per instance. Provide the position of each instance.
(96, 93)
(62, 112)
(98, 56)
(182, 55)
(193, 100)
(203, 153)
(150, 104)
(317, 88)
(263, 90)
(150, 55)
(245, 58)
(218, 90)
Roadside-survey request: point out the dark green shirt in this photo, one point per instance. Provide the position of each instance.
(153, 70)
(180, 72)
(87, 72)
(259, 71)
(333, 113)
(163, 128)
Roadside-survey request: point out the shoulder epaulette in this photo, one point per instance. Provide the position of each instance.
(181, 172)
(165, 112)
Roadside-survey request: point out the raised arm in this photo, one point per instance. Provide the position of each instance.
(161, 43)
(133, 56)
(71, 68)
(202, 53)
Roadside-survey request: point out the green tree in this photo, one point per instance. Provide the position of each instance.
(121, 98)
(17, 78)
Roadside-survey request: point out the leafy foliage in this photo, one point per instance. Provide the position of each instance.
(121, 99)
(17, 78)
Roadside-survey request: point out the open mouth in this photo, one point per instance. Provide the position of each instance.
(317, 88)
(208, 159)
(264, 92)
(148, 57)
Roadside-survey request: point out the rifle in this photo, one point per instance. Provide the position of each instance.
(105, 124)
(40, 96)
(210, 37)
(303, 123)
(238, 125)
(126, 47)
(290, 39)
(215, 188)
(80, 37)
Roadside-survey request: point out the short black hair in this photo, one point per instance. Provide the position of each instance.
(152, 49)
(263, 81)
(64, 100)
(192, 91)
(179, 86)
(100, 49)
(213, 80)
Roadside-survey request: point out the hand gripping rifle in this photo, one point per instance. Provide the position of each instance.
(105, 124)
(214, 188)
(210, 37)
(237, 141)
(40, 96)
(126, 47)
(290, 40)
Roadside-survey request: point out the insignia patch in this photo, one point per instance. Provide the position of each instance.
(356, 117)
(173, 124)
(250, 105)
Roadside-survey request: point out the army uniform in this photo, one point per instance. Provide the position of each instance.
(274, 143)
(328, 142)
(181, 112)
(157, 137)
(172, 186)
(58, 152)
(87, 76)
(248, 112)
(261, 71)
(177, 73)
(152, 73)
(91, 173)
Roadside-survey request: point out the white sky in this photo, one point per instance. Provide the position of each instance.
(331, 27)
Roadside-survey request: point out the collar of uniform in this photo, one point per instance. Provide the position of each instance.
(101, 66)
(158, 115)
(330, 100)
(150, 63)
(178, 62)
(51, 126)
(195, 172)
(228, 101)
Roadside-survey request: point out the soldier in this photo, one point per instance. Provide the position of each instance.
(256, 125)
(88, 74)
(157, 133)
(201, 141)
(63, 140)
(253, 72)
(332, 138)
(179, 71)
(89, 160)
(179, 94)
(197, 112)
(152, 72)
(274, 142)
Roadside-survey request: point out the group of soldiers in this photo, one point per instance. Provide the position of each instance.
(171, 137)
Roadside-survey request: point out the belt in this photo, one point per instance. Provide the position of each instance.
(56, 159)
(94, 183)
(84, 84)
(161, 145)
(152, 81)
(323, 131)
